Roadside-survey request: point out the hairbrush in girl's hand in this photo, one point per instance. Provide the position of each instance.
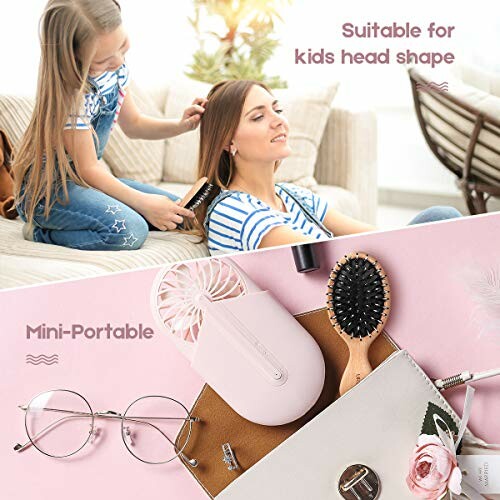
(358, 306)
(197, 194)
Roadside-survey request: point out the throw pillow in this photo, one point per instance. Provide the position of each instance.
(136, 158)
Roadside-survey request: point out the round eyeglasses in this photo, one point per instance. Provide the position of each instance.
(61, 422)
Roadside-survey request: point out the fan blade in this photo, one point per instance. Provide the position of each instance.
(221, 290)
(202, 279)
(184, 276)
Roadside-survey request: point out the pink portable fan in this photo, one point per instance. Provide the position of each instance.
(240, 339)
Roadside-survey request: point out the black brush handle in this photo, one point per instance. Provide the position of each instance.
(305, 258)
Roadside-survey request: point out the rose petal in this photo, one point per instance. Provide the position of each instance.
(418, 491)
(441, 491)
(443, 462)
(455, 482)
(425, 439)
(423, 467)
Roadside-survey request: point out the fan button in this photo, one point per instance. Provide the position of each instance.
(271, 369)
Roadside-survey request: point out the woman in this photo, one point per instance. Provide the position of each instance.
(244, 137)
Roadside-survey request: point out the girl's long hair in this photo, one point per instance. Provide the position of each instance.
(218, 126)
(68, 32)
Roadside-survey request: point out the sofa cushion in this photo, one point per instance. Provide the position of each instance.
(135, 158)
(181, 152)
(480, 78)
(339, 199)
(457, 141)
(24, 270)
(307, 111)
(160, 248)
(175, 188)
(15, 115)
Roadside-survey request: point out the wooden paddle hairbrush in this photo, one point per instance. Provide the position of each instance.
(358, 306)
(197, 194)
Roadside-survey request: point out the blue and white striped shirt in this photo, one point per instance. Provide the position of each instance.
(90, 106)
(240, 221)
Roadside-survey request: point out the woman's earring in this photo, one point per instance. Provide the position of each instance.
(233, 152)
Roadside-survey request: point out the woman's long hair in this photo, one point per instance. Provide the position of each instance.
(68, 33)
(218, 126)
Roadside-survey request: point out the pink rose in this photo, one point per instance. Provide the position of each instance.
(433, 469)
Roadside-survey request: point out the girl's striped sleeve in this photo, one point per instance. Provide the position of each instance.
(81, 120)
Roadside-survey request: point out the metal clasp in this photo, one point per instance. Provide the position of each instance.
(359, 482)
(229, 458)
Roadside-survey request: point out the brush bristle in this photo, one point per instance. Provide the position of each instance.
(200, 196)
(358, 295)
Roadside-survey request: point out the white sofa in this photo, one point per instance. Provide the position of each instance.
(334, 154)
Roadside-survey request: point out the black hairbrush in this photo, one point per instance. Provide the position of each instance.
(358, 307)
(197, 194)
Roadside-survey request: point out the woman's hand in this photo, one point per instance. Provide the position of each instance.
(192, 115)
(162, 212)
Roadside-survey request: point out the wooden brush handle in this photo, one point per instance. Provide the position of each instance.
(356, 370)
(194, 189)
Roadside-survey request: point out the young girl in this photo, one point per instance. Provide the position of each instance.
(62, 192)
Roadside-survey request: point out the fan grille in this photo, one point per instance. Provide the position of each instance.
(185, 289)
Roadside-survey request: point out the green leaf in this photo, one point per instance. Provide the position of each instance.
(429, 426)
(206, 67)
(246, 46)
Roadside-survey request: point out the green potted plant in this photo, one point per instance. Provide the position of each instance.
(241, 45)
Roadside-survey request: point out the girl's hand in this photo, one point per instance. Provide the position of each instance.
(192, 115)
(161, 212)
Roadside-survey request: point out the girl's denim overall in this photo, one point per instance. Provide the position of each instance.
(92, 220)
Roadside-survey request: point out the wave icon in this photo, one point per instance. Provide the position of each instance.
(433, 87)
(42, 359)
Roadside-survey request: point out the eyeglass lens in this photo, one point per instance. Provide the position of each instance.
(59, 423)
(150, 426)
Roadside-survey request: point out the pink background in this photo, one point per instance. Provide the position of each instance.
(431, 316)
